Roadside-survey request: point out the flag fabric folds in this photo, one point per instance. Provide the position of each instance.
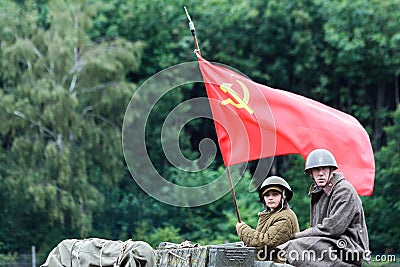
(254, 121)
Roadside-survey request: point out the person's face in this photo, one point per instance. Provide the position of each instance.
(272, 199)
(321, 175)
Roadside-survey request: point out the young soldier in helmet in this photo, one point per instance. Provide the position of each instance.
(276, 224)
(338, 234)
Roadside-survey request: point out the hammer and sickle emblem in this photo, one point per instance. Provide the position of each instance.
(240, 102)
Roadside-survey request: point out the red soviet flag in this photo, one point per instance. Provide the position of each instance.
(255, 121)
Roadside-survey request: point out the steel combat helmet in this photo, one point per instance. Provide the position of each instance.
(276, 183)
(320, 158)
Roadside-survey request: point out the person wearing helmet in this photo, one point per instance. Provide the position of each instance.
(276, 224)
(338, 234)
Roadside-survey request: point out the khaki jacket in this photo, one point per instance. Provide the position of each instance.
(273, 229)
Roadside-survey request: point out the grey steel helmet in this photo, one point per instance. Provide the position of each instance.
(320, 158)
(275, 181)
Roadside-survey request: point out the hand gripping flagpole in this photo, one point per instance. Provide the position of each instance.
(197, 50)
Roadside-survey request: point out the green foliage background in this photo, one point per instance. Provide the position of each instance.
(69, 69)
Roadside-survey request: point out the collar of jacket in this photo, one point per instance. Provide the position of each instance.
(336, 177)
(271, 212)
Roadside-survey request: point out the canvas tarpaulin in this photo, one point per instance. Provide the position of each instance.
(102, 253)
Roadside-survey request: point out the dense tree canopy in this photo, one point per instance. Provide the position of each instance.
(70, 68)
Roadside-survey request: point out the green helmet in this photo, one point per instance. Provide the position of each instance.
(320, 158)
(275, 182)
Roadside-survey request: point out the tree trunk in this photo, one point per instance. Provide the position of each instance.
(377, 120)
(396, 90)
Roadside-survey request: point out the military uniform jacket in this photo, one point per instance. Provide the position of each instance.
(273, 229)
(338, 234)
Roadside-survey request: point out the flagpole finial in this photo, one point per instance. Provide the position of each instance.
(193, 30)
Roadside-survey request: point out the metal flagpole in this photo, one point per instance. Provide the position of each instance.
(192, 29)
